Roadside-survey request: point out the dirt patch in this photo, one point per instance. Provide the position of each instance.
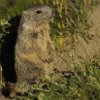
(95, 19)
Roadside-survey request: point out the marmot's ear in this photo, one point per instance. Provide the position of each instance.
(24, 13)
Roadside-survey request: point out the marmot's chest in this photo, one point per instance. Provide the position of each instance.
(38, 44)
(30, 44)
(41, 43)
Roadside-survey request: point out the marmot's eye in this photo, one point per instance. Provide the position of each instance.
(38, 11)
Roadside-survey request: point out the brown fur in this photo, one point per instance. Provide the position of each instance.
(33, 48)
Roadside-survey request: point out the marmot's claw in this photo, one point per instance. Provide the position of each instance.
(47, 60)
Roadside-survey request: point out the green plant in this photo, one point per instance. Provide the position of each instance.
(78, 85)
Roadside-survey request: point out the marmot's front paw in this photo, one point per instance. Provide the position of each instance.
(47, 59)
(8, 89)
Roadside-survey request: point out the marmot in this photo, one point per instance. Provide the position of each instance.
(33, 47)
(35, 56)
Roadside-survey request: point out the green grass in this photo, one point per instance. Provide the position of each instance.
(78, 85)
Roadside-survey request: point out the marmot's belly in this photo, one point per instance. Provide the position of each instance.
(41, 44)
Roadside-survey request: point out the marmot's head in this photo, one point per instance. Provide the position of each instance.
(36, 16)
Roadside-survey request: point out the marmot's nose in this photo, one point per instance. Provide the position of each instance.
(53, 13)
